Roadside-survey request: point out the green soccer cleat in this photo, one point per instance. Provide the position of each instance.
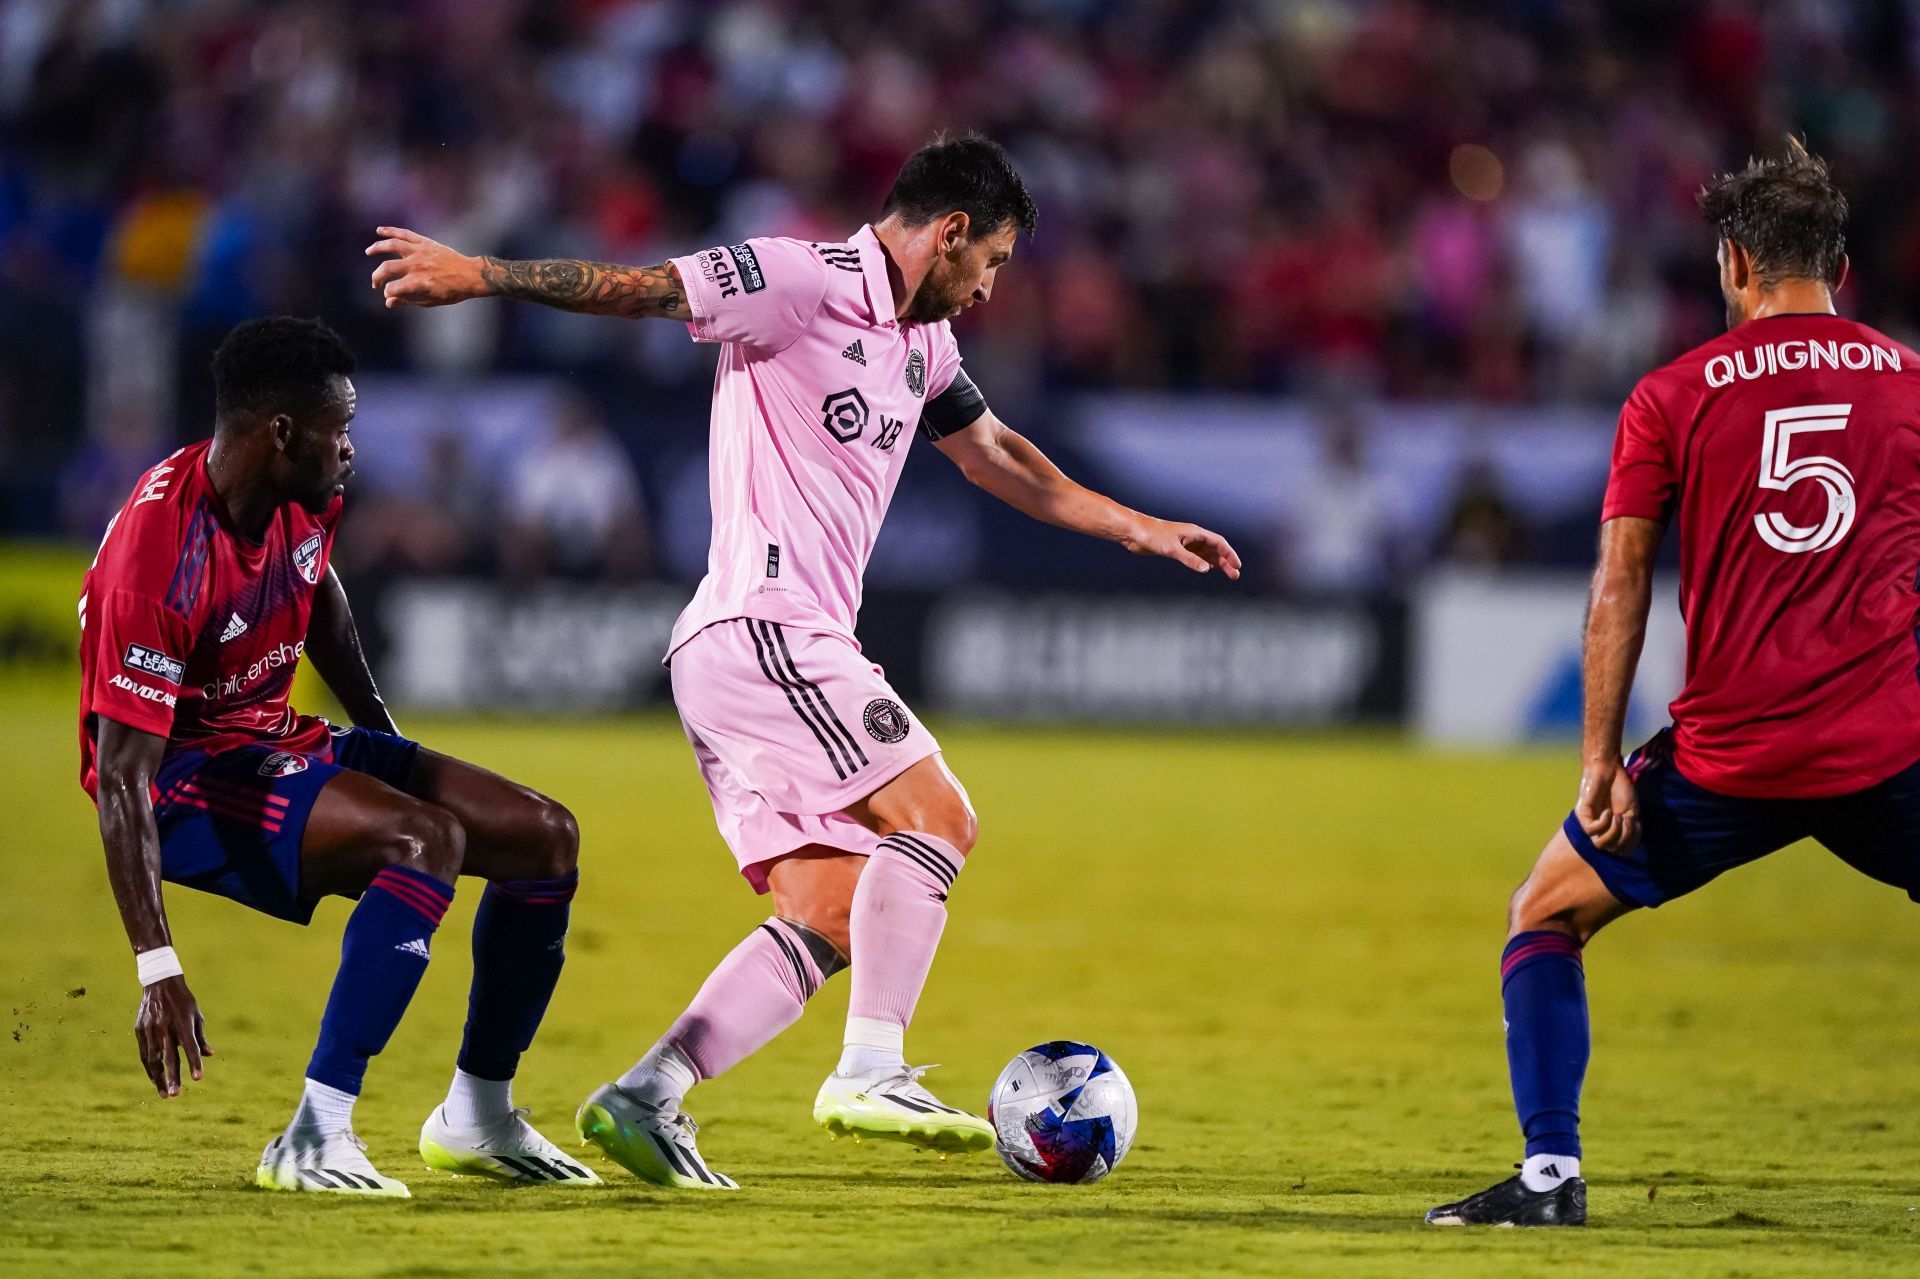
(334, 1163)
(509, 1150)
(890, 1104)
(652, 1143)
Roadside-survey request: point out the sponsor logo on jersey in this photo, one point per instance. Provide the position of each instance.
(143, 692)
(856, 353)
(1772, 358)
(237, 683)
(721, 271)
(236, 627)
(886, 720)
(151, 661)
(283, 764)
(751, 279)
(844, 414)
(306, 558)
(917, 374)
(890, 428)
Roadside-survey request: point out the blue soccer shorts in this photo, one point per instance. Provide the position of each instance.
(1689, 834)
(231, 823)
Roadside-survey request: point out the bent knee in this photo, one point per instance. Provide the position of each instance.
(831, 920)
(553, 841)
(949, 817)
(426, 838)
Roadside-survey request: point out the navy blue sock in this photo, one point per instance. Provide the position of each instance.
(1544, 989)
(519, 945)
(383, 955)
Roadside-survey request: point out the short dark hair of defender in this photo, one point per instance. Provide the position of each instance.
(970, 174)
(1786, 213)
(275, 364)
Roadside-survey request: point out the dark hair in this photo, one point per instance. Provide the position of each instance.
(276, 363)
(1785, 212)
(970, 174)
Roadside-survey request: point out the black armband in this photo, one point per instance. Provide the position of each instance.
(954, 409)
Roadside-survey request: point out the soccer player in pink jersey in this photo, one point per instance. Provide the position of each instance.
(1786, 455)
(832, 795)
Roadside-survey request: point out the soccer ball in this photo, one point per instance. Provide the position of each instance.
(1062, 1112)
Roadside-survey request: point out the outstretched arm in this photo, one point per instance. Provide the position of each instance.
(423, 272)
(333, 642)
(169, 1022)
(1006, 464)
(1617, 611)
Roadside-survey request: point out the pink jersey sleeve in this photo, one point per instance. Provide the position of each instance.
(1643, 477)
(762, 293)
(945, 359)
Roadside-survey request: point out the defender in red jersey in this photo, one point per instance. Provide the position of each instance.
(1787, 455)
(210, 585)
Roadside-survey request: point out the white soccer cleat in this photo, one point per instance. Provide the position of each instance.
(332, 1163)
(510, 1149)
(652, 1143)
(890, 1104)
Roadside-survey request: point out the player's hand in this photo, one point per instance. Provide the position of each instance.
(1608, 810)
(170, 1024)
(422, 272)
(1201, 550)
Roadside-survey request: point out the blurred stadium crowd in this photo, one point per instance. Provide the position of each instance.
(1378, 200)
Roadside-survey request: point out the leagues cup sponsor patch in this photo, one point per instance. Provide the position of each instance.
(283, 764)
(306, 558)
(886, 720)
(151, 661)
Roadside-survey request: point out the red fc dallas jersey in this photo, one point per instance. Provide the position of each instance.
(191, 632)
(1788, 453)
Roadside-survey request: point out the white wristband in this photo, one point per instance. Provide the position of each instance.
(157, 964)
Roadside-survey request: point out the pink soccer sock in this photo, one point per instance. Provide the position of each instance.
(757, 991)
(899, 912)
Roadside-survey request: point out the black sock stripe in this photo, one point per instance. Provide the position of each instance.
(852, 743)
(917, 858)
(766, 668)
(953, 871)
(793, 958)
(937, 869)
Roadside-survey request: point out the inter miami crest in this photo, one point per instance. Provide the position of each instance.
(886, 720)
(844, 414)
(917, 374)
(306, 558)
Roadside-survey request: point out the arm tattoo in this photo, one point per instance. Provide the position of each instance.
(597, 288)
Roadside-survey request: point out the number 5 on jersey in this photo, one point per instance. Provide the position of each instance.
(1779, 471)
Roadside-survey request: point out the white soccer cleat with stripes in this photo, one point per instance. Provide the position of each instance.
(652, 1143)
(332, 1163)
(510, 1149)
(890, 1104)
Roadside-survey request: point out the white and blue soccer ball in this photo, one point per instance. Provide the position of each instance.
(1062, 1112)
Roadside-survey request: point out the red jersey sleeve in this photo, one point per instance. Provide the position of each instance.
(140, 645)
(1643, 478)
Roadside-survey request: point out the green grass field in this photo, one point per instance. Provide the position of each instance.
(1290, 944)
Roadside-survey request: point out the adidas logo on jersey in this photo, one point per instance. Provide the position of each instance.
(856, 354)
(236, 627)
(417, 946)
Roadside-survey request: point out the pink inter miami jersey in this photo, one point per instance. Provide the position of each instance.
(817, 397)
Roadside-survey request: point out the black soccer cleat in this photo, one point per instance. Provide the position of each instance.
(1511, 1204)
